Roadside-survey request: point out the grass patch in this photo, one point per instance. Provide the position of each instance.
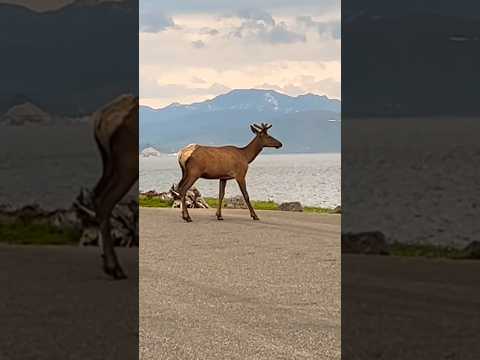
(429, 251)
(36, 234)
(213, 203)
(319, 210)
(264, 205)
(154, 202)
(257, 204)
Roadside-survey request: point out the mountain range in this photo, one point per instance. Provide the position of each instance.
(305, 124)
(68, 61)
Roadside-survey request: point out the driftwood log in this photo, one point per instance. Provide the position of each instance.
(194, 198)
(124, 221)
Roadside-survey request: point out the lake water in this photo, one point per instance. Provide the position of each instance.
(312, 179)
(49, 165)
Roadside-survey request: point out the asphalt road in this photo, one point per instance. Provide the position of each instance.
(410, 308)
(239, 289)
(56, 303)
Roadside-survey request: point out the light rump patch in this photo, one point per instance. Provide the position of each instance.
(185, 154)
(108, 119)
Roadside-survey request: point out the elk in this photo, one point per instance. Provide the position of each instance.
(116, 135)
(223, 163)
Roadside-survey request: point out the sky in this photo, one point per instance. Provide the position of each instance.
(193, 50)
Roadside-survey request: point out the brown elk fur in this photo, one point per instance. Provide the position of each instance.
(223, 163)
(116, 134)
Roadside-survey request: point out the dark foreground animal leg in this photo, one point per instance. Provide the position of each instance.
(104, 207)
(113, 193)
(221, 194)
(243, 189)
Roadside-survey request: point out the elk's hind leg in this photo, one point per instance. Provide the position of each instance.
(104, 206)
(183, 187)
(124, 174)
(221, 194)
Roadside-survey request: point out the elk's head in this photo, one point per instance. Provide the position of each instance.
(266, 140)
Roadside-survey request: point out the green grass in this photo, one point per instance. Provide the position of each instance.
(429, 251)
(319, 210)
(257, 204)
(36, 234)
(154, 202)
(213, 203)
(264, 205)
(271, 205)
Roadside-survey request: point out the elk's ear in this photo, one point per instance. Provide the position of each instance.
(255, 131)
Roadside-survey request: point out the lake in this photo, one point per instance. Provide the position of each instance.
(312, 179)
(49, 165)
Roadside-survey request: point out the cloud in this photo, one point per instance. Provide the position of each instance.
(255, 15)
(198, 44)
(260, 25)
(211, 52)
(221, 6)
(197, 80)
(153, 19)
(151, 88)
(208, 31)
(307, 84)
(324, 28)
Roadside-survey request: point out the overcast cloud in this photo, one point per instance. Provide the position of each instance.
(194, 50)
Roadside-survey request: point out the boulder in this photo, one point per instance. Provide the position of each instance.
(236, 202)
(291, 206)
(372, 242)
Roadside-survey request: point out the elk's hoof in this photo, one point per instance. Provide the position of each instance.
(187, 219)
(255, 217)
(114, 271)
(219, 217)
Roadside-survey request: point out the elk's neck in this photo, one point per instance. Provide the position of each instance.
(252, 150)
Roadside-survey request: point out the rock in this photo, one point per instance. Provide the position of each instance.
(236, 202)
(337, 210)
(372, 242)
(291, 206)
(472, 250)
(150, 152)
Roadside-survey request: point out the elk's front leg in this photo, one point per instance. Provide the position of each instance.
(221, 194)
(243, 188)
